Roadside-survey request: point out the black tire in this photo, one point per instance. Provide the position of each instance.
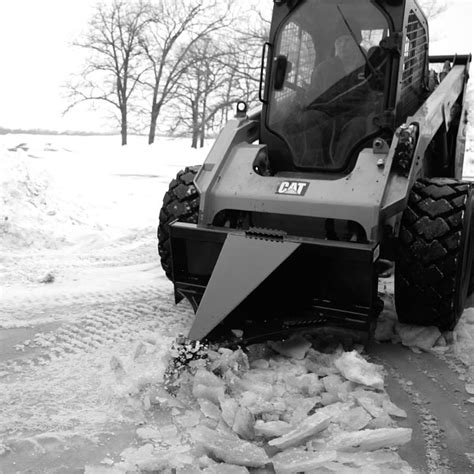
(433, 267)
(181, 202)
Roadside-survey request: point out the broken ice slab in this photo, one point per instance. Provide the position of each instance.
(303, 407)
(393, 410)
(332, 382)
(235, 361)
(259, 364)
(209, 409)
(422, 337)
(225, 469)
(309, 384)
(369, 403)
(229, 407)
(293, 348)
(369, 440)
(230, 449)
(244, 423)
(272, 429)
(208, 385)
(260, 387)
(189, 419)
(213, 394)
(306, 430)
(299, 460)
(320, 363)
(381, 421)
(337, 386)
(356, 369)
(204, 377)
(355, 419)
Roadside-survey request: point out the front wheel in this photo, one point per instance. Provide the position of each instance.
(433, 268)
(181, 202)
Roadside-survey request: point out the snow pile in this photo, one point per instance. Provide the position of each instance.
(61, 190)
(464, 338)
(34, 211)
(234, 411)
(417, 338)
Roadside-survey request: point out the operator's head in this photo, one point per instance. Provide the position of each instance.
(347, 40)
(345, 47)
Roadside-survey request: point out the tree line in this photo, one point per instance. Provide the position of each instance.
(180, 64)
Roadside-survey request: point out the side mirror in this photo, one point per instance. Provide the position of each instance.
(280, 65)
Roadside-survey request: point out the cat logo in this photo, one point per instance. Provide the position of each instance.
(295, 188)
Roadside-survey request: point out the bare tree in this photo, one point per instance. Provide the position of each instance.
(114, 65)
(202, 92)
(175, 26)
(433, 8)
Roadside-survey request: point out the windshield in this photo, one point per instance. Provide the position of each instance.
(333, 80)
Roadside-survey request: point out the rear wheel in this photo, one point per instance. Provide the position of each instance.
(433, 268)
(181, 202)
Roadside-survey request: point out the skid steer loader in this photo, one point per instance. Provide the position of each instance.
(282, 227)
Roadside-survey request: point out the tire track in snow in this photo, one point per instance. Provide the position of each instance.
(96, 320)
(443, 426)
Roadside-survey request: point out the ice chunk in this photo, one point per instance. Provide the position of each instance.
(235, 361)
(320, 363)
(309, 384)
(208, 385)
(208, 379)
(374, 462)
(369, 440)
(306, 430)
(229, 408)
(336, 410)
(272, 429)
(393, 410)
(189, 419)
(381, 421)
(225, 469)
(370, 404)
(209, 409)
(337, 386)
(332, 383)
(213, 394)
(261, 388)
(293, 348)
(470, 388)
(422, 337)
(356, 369)
(243, 423)
(300, 460)
(230, 449)
(302, 409)
(259, 364)
(355, 419)
(328, 398)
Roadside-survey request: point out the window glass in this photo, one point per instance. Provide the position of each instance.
(334, 80)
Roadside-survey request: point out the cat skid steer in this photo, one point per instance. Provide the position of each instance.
(355, 156)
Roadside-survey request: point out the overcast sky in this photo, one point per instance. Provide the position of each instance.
(37, 58)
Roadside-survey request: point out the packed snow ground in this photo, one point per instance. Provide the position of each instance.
(78, 201)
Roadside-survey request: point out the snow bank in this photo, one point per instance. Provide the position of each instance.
(57, 190)
(232, 412)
